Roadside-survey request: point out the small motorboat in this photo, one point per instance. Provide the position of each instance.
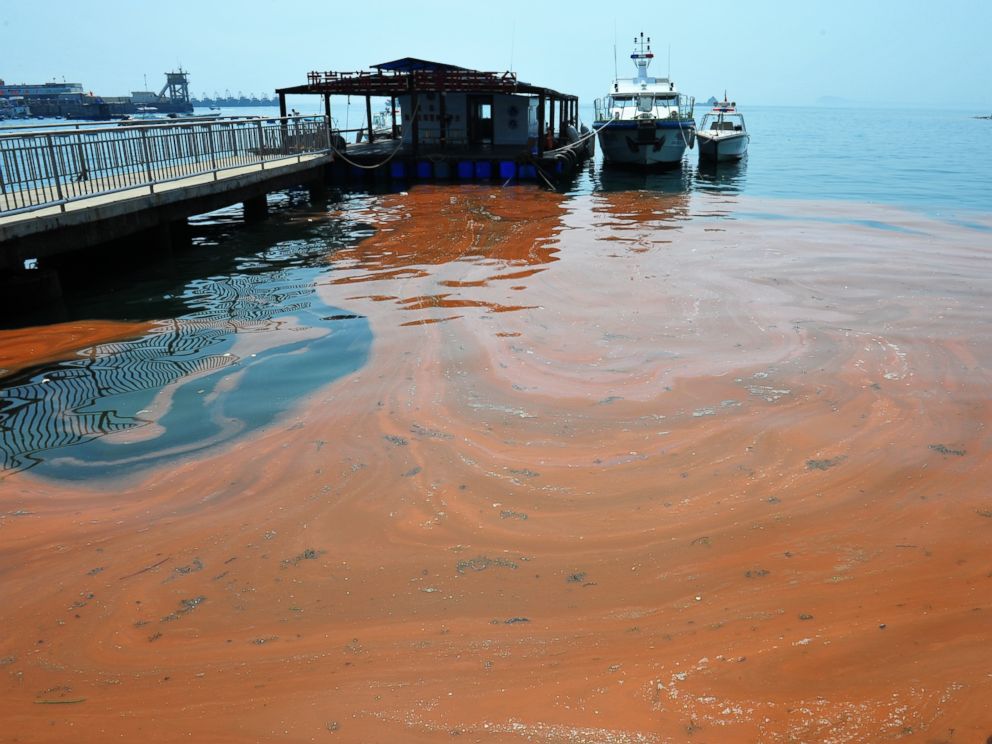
(722, 134)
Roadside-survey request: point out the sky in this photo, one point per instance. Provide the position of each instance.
(766, 52)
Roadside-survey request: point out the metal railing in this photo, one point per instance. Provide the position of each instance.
(43, 168)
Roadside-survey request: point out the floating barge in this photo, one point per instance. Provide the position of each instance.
(447, 122)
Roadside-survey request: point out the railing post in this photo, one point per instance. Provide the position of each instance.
(55, 171)
(213, 154)
(261, 144)
(81, 157)
(147, 154)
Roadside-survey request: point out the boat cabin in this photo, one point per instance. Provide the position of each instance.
(724, 117)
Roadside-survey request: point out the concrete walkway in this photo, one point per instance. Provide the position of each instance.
(143, 197)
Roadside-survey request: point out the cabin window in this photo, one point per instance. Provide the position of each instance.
(645, 103)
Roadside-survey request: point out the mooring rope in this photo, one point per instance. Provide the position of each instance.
(392, 155)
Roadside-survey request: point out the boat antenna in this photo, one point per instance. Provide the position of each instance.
(616, 72)
(513, 37)
(669, 61)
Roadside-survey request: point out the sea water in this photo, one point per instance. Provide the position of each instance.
(690, 455)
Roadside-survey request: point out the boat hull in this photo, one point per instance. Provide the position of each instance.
(722, 147)
(645, 143)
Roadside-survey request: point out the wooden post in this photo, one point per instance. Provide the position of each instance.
(443, 122)
(551, 116)
(327, 108)
(540, 125)
(415, 125)
(256, 208)
(392, 109)
(368, 117)
(282, 105)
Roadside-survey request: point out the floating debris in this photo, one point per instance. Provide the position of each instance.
(506, 514)
(186, 606)
(145, 569)
(307, 555)
(947, 450)
(196, 565)
(482, 562)
(524, 472)
(398, 441)
(60, 702)
(423, 431)
(824, 464)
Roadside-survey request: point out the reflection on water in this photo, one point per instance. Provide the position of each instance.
(721, 178)
(441, 249)
(228, 365)
(705, 177)
(669, 181)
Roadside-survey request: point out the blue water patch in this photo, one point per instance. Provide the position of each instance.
(934, 159)
(185, 387)
(873, 224)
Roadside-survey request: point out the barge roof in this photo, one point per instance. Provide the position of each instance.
(410, 74)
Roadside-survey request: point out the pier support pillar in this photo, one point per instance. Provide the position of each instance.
(161, 239)
(181, 234)
(317, 191)
(256, 208)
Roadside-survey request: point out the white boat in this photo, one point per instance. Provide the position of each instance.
(722, 134)
(644, 121)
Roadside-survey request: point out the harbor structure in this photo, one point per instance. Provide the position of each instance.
(444, 121)
(230, 100)
(71, 101)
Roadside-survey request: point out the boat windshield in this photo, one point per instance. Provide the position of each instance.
(644, 102)
(722, 122)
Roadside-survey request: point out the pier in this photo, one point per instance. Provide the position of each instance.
(64, 190)
(68, 188)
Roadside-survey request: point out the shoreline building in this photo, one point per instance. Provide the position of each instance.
(71, 101)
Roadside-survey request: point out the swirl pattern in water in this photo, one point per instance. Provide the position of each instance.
(193, 382)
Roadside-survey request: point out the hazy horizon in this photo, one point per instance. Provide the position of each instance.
(762, 53)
